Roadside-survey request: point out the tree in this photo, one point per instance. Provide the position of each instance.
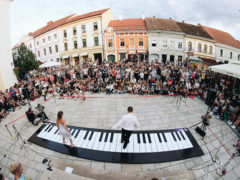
(24, 61)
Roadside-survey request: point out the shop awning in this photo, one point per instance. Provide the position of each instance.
(65, 57)
(141, 52)
(132, 52)
(195, 59)
(209, 61)
(83, 54)
(75, 55)
(231, 69)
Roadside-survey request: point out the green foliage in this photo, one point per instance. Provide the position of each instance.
(24, 61)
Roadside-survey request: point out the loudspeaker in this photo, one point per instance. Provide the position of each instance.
(211, 95)
(200, 131)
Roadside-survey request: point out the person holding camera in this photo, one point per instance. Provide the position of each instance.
(32, 116)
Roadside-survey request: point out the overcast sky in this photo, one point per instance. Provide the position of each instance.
(29, 15)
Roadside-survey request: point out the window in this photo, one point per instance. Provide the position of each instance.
(95, 26)
(74, 31)
(110, 43)
(37, 43)
(239, 57)
(221, 52)
(56, 48)
(205, 48)
(84, 41)
(96, 43)
(231, 55)
(83, 29)
(45, 52)
(199, 47)
(65, 33)
(50, 50)
(172, 44)
(164, 43)
(65, 46)
(43, 40)
(122, 42)
(180, 58)
(49, 38)
(75, 45)
(140, 43)
(38, 53)
(55, 36)
(179, 45)
(210, 50)
(131, 42)
(154, 43)
(30, 46)
(189, 46)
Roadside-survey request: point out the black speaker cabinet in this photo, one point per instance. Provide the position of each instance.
(211, 95)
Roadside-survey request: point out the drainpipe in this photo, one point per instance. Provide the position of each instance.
(103, 43)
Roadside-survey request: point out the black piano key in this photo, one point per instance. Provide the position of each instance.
(111, 138)
(56, 131)
(106, 137)
(138, 137)
(182, 135)
(100, 138)
(73, 131)
(178, 136)
(165, 139)
(76, 134)
(50, 129)
(144, 140)
(86, 135)
(159, 138)
(173, 136)
(149, 138)
(91, 136)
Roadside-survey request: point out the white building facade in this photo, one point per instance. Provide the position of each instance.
(225, 53)
(7, 76)
(47, 46)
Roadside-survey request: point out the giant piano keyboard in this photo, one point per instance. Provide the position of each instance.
(153, 146)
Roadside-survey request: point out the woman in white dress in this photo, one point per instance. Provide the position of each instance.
(62, 128)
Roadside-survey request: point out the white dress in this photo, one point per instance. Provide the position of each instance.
(63, 132)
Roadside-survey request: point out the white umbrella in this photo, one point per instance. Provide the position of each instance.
(50, 64)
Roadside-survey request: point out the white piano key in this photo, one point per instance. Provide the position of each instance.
(52, 135)
(114, 142)
(171, 141)
(184, 143)
(153, 144)
(42, 133)
(158, 143)
(80, 139)
(164, 144)
(91, 142)
(107, 144)
(86, 141)
(187, 140)
(118, 143)
(148, 144)
(136, 146)
(179, 143)
(75, 132)
(142, 145)
(130, 145)
(96, 142)
(101, 144)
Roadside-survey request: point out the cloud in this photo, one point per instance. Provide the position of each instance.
(29, 15)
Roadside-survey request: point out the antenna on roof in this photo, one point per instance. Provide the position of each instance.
(143, 16)
(120, 17)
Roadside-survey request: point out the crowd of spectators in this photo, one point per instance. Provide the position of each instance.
(134, 78)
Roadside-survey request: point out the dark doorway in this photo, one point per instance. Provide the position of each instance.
(111, 58)
(171, 58)
(98, 56)
(164, 58)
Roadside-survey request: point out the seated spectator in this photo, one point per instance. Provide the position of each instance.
(237, 145)
(16, 169)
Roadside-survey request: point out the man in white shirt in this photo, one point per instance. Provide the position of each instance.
(128, 122)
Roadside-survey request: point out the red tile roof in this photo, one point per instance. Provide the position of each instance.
(87, 15)
(128, 25)
(162, 24)
(50, 26)
(222, 37)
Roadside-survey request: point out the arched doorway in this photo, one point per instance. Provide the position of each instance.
(111, 58)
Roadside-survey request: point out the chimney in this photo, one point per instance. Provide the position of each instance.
(170, 18)
(199, 24)
(182, 21)
(50, 22)
(143, 16)
(120, 17)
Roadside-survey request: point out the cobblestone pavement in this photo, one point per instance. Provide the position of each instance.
(152, 112)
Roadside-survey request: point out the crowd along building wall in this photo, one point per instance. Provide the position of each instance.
(7, 76)
(81, 37)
